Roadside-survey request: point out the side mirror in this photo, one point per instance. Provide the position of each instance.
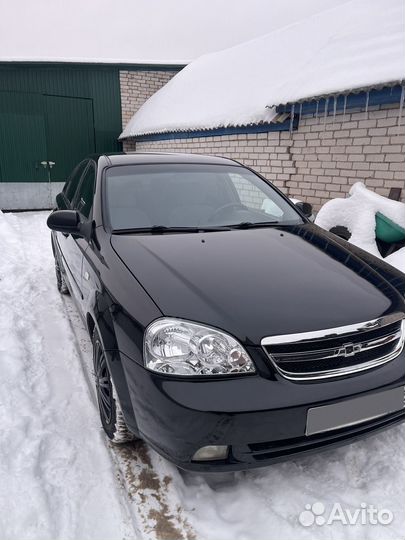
(306, 208)
(65, 221)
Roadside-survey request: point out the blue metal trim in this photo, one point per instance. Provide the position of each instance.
(375, 97)
(234, 130)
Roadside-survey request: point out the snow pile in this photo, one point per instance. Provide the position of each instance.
(264, 504)
(357, 213)
(56, 477)
(356, 44)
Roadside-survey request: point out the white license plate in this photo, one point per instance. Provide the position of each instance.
(354, 411)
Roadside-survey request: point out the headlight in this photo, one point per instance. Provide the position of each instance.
(177, 347)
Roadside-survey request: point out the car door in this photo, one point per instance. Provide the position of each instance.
(65, 242)
(76, 246)
(65, 199)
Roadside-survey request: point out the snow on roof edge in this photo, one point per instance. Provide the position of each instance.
(377, 86)
(122, 137)
(79, 60)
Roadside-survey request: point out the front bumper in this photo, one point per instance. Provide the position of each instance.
(261, 417)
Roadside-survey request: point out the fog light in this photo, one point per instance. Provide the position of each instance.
(209, 453)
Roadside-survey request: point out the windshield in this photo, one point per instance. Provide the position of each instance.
(191, 195)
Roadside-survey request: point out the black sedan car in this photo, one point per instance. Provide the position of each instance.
(228, 331)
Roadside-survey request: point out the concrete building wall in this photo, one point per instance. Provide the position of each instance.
(29, 195)
(318, 161)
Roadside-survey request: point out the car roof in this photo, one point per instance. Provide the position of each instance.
(134, 158)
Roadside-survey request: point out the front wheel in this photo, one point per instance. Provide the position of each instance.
(111, 415)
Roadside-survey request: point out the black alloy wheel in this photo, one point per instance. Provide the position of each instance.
(111, 415)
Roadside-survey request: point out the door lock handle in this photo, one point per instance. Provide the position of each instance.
(47, 164)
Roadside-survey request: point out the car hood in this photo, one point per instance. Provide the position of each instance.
(257, 282)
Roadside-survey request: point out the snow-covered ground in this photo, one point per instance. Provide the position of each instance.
(60, 479)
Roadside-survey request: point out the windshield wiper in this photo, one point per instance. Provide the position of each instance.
(161, 229)
(253, 225)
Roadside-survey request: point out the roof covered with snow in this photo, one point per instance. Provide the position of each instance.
(357, 44)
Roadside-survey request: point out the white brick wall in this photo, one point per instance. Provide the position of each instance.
(321, 159)
(329, 157)
(137, 87)
(267, 153)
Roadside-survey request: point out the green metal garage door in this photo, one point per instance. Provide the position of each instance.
(70, 133)
(22, 138)
(39, 128)
(55, 113)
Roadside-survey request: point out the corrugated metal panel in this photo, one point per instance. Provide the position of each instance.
(105, 86)
(63, 111)
(75, 136)
(22, 137)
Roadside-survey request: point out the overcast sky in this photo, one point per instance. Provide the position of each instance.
(139, 30)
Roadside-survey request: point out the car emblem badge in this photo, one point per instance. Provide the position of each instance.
(349, 349)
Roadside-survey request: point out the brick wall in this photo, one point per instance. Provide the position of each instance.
(321, 160)
(137, 87)
(267, 153)
(329, 157)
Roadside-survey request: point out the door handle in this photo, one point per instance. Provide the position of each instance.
(86, 276)
(47, 164)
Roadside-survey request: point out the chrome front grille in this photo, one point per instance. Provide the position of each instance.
(335, 352)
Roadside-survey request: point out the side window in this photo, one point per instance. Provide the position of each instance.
(83, 202)
(73, 182)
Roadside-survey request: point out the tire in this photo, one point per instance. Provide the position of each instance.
(60, 280)
(111, 415)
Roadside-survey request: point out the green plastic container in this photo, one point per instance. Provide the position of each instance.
(388, 231)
